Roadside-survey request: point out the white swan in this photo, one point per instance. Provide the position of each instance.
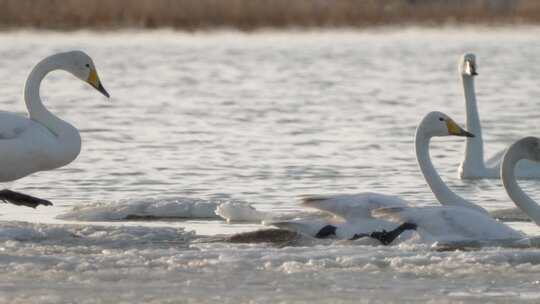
(473, 165)
(351, 219)
(458, 219)
(466, 224)
(364, 213)
(426, 130)
(439, 124)
(42, 141)
(451, 224)
(527, 148)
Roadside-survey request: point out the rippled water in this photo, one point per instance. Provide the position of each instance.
(264, 118)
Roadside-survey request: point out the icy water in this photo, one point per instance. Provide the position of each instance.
(197, 119)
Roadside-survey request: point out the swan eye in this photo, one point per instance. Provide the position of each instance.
(441, 119)
(87, 65)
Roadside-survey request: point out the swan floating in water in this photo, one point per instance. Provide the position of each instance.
(473, 165)
(367, 213)
(426, 130)
(527, 148)
(43, 141)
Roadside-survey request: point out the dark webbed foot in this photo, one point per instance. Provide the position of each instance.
(408, 226)
(326, 231)
(21, 199)
(387, 237)
(381, 236)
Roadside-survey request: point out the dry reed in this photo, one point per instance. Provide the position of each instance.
(254, 14)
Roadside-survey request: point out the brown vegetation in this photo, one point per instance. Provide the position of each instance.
(253, 14)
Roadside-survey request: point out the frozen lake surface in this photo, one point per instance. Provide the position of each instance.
(198, 119)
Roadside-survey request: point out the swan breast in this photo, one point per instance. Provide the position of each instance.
(27, 147)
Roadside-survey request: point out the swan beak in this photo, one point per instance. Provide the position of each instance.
(94, 81)
(470, 68)
(454, 129)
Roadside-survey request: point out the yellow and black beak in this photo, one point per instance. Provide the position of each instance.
(94, 81)
(454, 129)
(470, 68)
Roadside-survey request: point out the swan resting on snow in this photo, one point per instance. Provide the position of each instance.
(352, 218)
(447, 225)
(42, 141)
(473, 165)
(384, 217)
(347, 213)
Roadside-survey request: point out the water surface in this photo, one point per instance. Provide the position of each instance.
(265, 118)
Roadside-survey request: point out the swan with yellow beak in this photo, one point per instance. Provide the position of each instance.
(41, 141)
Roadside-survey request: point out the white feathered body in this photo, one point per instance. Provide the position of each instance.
(450, 224)
(27, 146)
(473, 165)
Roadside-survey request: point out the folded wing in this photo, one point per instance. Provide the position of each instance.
(353, 207)
(449, 223)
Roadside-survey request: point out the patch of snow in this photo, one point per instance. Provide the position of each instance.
(180, 207)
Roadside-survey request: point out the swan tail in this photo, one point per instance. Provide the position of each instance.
(21, 199)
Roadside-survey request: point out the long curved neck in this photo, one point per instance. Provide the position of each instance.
(441, 191)
(520, 198)
(35, 107)
(68, 140)
(474, 149)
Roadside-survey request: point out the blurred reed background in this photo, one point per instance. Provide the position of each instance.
(256, 14)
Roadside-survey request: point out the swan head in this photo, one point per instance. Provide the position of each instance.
(530, 147)
(467, 65)
(81, 66)
(440, 124)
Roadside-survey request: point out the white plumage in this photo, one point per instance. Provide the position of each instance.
(41, 141)
(473, 165)
(456, 220)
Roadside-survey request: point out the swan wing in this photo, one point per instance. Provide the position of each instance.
(353, 207)
(12, 125)
(450, 223)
